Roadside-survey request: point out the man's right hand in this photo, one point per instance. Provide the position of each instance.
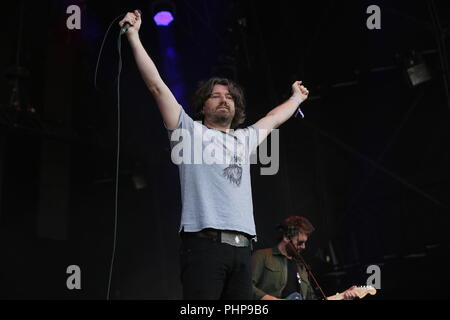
(166, 101)
(134, 19)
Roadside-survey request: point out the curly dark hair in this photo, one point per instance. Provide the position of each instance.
(204, 92)
(293, 225)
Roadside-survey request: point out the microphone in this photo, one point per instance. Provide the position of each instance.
(126, 25)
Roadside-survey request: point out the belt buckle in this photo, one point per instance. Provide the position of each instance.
(234, 239)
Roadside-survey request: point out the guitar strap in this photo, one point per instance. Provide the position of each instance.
(298, 258)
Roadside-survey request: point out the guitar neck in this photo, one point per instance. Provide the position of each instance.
(360, 292)
(339, 296)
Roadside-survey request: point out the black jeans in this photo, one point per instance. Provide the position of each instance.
(211, 270)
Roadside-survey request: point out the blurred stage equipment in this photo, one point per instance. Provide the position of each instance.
(19, 112)
(417, 70)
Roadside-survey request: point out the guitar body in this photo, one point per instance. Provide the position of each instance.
(294, 296)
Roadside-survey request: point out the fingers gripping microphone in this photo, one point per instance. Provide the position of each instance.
(126, 25)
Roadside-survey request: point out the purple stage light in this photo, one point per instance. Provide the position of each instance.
(163, 18)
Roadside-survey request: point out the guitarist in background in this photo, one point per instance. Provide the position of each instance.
(277, 276)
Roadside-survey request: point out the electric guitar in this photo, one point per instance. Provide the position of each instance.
(361, 292)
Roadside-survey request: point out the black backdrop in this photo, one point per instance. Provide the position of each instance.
(369, 166)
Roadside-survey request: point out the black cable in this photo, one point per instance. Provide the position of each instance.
(116, 181)
(101, 48)
(116, 196)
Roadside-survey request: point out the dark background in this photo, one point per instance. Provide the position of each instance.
(369, 166)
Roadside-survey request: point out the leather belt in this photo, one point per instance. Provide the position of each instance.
(233, 238)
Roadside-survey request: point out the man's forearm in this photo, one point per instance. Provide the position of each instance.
(145, 64)
(284, 111)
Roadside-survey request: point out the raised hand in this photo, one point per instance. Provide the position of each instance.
(299, 91)
(134, 19)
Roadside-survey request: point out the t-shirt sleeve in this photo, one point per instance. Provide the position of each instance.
(253, 133)
(185, 123)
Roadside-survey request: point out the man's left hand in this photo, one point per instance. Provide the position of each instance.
(350, 294)
(299, 90)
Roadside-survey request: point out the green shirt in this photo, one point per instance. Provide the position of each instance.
(269, 273)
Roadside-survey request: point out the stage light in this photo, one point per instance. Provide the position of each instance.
(417, 70)
(163, 12)
(419, 74)
(163, 18)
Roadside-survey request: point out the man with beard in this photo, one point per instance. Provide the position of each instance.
(217, 223)
(277, 275)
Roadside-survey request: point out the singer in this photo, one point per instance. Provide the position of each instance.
(217, 223)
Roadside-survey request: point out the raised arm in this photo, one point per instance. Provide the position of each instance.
(283, 112)
(167, 104)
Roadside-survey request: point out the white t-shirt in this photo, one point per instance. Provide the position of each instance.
(214, 169)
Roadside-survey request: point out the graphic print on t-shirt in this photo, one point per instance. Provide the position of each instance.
(234, 171)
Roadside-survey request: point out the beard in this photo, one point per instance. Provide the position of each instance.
(221, 117)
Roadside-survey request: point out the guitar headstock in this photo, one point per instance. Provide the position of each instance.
(365, 290)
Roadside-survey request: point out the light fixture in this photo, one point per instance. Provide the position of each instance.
(163, 12)
(417, 70)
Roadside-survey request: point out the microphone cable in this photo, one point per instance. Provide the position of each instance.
(116, 187)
